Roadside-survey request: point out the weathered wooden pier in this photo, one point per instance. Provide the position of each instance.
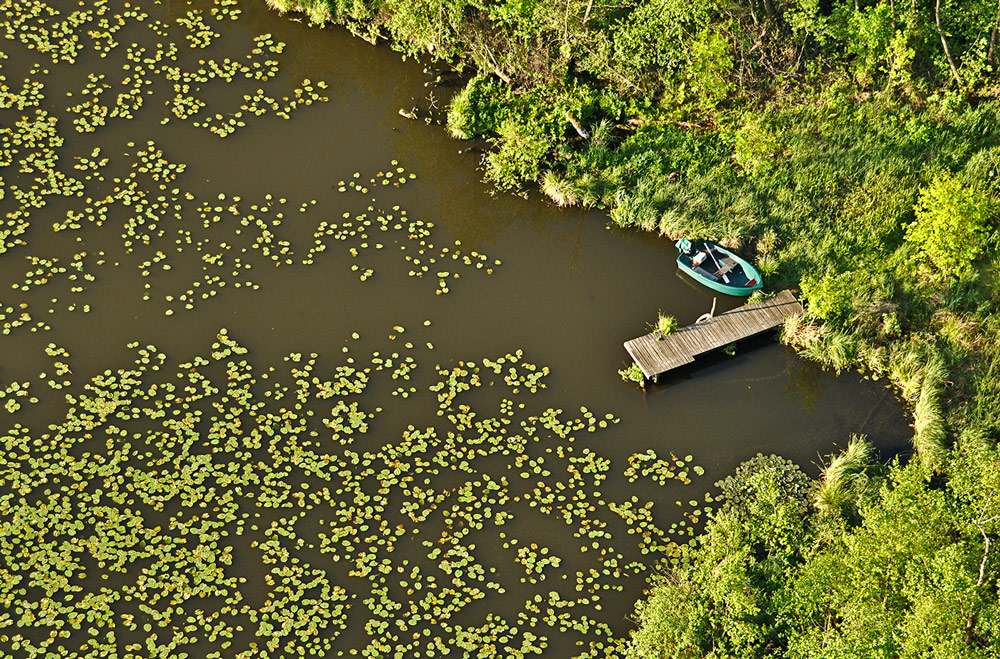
(656, 356)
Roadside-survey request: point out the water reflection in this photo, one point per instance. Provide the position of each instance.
(806, 382)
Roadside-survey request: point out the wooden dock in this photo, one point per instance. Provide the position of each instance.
(655, 356)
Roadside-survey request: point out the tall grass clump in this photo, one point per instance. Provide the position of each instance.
(841, 350)
(591, 189)
(875, 358)
(673, 224)
(461, 114)
(767, 265)
(829, 347)
(844, 480)
(930, 436)
(281, 6)
(317, 11)
(632, 210)
(559, 189)
(906, 371)
(792, 330)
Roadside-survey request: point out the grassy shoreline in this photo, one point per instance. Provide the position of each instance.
(852, 149)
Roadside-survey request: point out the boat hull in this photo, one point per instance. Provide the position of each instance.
(743, 278)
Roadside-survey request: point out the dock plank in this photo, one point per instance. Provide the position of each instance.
(655, 356)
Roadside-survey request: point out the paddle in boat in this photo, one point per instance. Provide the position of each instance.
(717, 267)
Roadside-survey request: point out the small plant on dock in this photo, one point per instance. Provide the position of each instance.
(632, 373)
(664, 326)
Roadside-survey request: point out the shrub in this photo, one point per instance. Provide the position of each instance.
(757, 146)
(520, 147)
(281, 6)
(672, 622)
(704, 80)
(767, 497)
(829, 296)
(950, 229)
(742, 489)
(475, 109)
(318, 11)
(871, 31)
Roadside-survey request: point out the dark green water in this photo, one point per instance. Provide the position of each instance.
(568, 292)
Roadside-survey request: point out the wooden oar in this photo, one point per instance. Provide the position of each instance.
(725, 277)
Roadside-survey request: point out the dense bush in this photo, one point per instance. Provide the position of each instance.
(952, 224)
(907, 575)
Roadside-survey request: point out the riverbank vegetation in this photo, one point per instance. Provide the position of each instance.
(851, 148)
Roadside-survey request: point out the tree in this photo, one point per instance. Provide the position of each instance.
(725, 598)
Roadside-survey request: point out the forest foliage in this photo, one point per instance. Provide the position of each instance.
(852, 149)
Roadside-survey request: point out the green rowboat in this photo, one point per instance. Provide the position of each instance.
(717, 267)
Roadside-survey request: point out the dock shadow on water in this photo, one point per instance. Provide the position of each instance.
(279, 376)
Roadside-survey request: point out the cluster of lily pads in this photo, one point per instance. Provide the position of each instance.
(30, 141)
(147, 202)
(272, 512)
(226, 9)
(648, 464)
(199, 33)
(233, 236)
(13, 395)
(64, 36)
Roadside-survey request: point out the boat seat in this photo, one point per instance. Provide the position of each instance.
(706, 273)
(726, 268)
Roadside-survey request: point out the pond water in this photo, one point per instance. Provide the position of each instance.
(355, 498)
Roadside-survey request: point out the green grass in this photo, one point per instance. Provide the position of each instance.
(930, 437)
(557, 188)
(844, 480)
